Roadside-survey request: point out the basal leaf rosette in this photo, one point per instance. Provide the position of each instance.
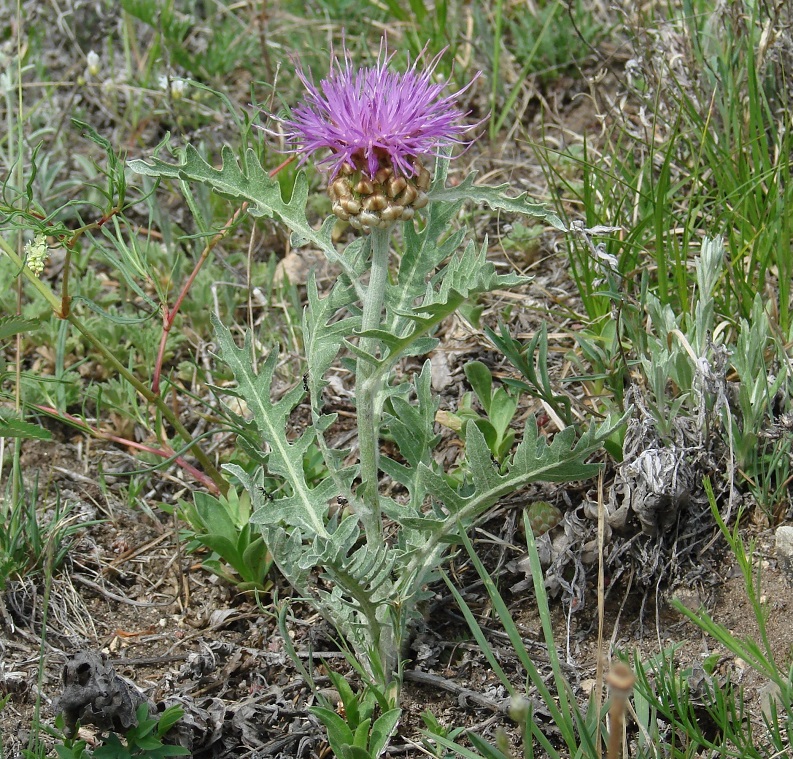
(372, 130)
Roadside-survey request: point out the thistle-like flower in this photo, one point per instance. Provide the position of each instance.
(377, 126)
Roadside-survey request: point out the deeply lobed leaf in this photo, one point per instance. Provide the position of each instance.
(305, 506)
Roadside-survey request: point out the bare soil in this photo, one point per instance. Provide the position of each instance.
(129, 592)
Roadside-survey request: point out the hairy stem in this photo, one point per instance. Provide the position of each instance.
(366, 389)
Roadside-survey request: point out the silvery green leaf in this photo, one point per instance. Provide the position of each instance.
(14, 427)
(334, 550)
(412, 425)
(359, 352)
(324, 334)
(425, 250)
(305, 506)
(12, 325)
(286, 547)
(467, 275)
(292, 509)
(360, 577)
(562, 459)
(497, 199)
(246, 180)
(708, 266)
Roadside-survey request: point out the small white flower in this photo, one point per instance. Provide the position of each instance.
(176, 85)
(93, 63)
(36, 254)
(178, 88)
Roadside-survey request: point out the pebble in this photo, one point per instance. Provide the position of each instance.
(770, 695)
(784, 548)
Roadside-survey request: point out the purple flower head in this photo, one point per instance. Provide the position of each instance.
(369, 118)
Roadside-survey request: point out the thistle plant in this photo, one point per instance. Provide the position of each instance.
(384, 139)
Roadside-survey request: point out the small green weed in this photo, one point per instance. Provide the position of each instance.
(545, 40)
(499, 407)
(531, 360)
(435, 728)
(578, 730)
(688, 362)
(715, 717)
(28, 535)
(356, 735)
(144, 740)
(223, 526)
(703, 714)
(710, 152)
(552, 38)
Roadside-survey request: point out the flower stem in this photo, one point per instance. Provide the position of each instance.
(165, 452)
(366, 389)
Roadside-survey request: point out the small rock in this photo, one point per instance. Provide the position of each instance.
(770, 700)
(293, 267)
(784, 548)
(94, 694)
(440, 371)
(691, 598)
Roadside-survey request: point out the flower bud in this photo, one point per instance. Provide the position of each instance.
(377, 203)
(92, 59)
(36, 254)
(519, 709)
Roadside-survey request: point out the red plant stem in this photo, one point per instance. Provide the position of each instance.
(165, 452)
(169, 316)
(66, 299)
(278, 168)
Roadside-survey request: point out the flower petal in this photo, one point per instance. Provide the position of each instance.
(372, 117)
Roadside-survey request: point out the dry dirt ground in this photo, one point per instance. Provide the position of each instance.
(128, 592)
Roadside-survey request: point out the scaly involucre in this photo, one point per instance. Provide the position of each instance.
(372, 117)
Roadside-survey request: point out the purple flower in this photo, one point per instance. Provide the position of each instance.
(373, 118)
